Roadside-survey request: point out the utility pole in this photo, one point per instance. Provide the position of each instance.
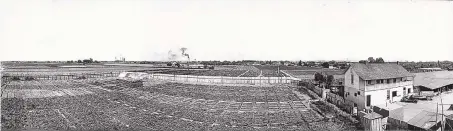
(437, 111)
(442, 122)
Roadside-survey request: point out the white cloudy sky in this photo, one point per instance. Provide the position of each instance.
(226, 29)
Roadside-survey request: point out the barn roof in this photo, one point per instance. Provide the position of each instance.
(373, 71)
(434, 79)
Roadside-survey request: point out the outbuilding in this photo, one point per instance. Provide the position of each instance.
(438, 81)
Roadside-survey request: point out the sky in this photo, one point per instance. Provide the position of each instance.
(56, 30)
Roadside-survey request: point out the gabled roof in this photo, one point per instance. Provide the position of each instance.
(425, 119)
(373, 71)
(434, 79)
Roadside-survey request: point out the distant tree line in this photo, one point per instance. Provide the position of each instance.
(372, 60)
(85, 61)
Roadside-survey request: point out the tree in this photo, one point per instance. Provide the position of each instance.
(329, 80)
(363, 61)
(79, 61)
(300, 63)
(332, 62)
(379, 60)
(169, 64)
(325, 65)
(282, 63)
(371, 60)
(319, 77)
(178, 65)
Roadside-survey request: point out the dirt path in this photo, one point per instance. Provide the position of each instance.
(243, 73)
(305, 97)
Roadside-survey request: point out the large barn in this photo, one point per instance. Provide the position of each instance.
(438, 81)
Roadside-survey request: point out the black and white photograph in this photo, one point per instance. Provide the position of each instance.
(226, 65)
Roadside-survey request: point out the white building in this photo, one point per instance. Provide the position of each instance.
(376, 84)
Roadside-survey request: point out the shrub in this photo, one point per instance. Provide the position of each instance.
(15, 78)
(29, 78)
(81, 77)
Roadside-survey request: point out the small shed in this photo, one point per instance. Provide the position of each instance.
(425, 121)
(373, 122)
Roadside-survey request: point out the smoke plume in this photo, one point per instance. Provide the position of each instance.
(184, 53)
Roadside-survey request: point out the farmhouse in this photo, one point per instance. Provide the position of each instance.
(438, 81)
(376, 84)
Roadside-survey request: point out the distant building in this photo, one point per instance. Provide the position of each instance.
(430, 69)
(376, 84)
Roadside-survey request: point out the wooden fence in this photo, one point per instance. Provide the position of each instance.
(223, 79)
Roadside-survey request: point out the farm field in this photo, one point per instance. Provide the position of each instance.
(309, 74)
(229, 71)
(156, 105)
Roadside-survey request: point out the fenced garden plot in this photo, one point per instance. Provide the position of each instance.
(229, 73)
(225, 93)
(328, 108)
(222, 79)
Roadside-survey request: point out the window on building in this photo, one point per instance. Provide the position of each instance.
(358, 93)
(404, 88)
(352, 78)
(388, 94)
(368, 82)
(368, 100)
(355, 94)
(409, 90)
(401, 79)
(378, 81)
(394, 93)
(388, 81)
(394, 80)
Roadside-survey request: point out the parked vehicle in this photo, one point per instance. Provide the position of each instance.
(422, 97)
(409, 99)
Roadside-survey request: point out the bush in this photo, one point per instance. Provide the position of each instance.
(29, 78)
(15, 78)
(81, 77)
